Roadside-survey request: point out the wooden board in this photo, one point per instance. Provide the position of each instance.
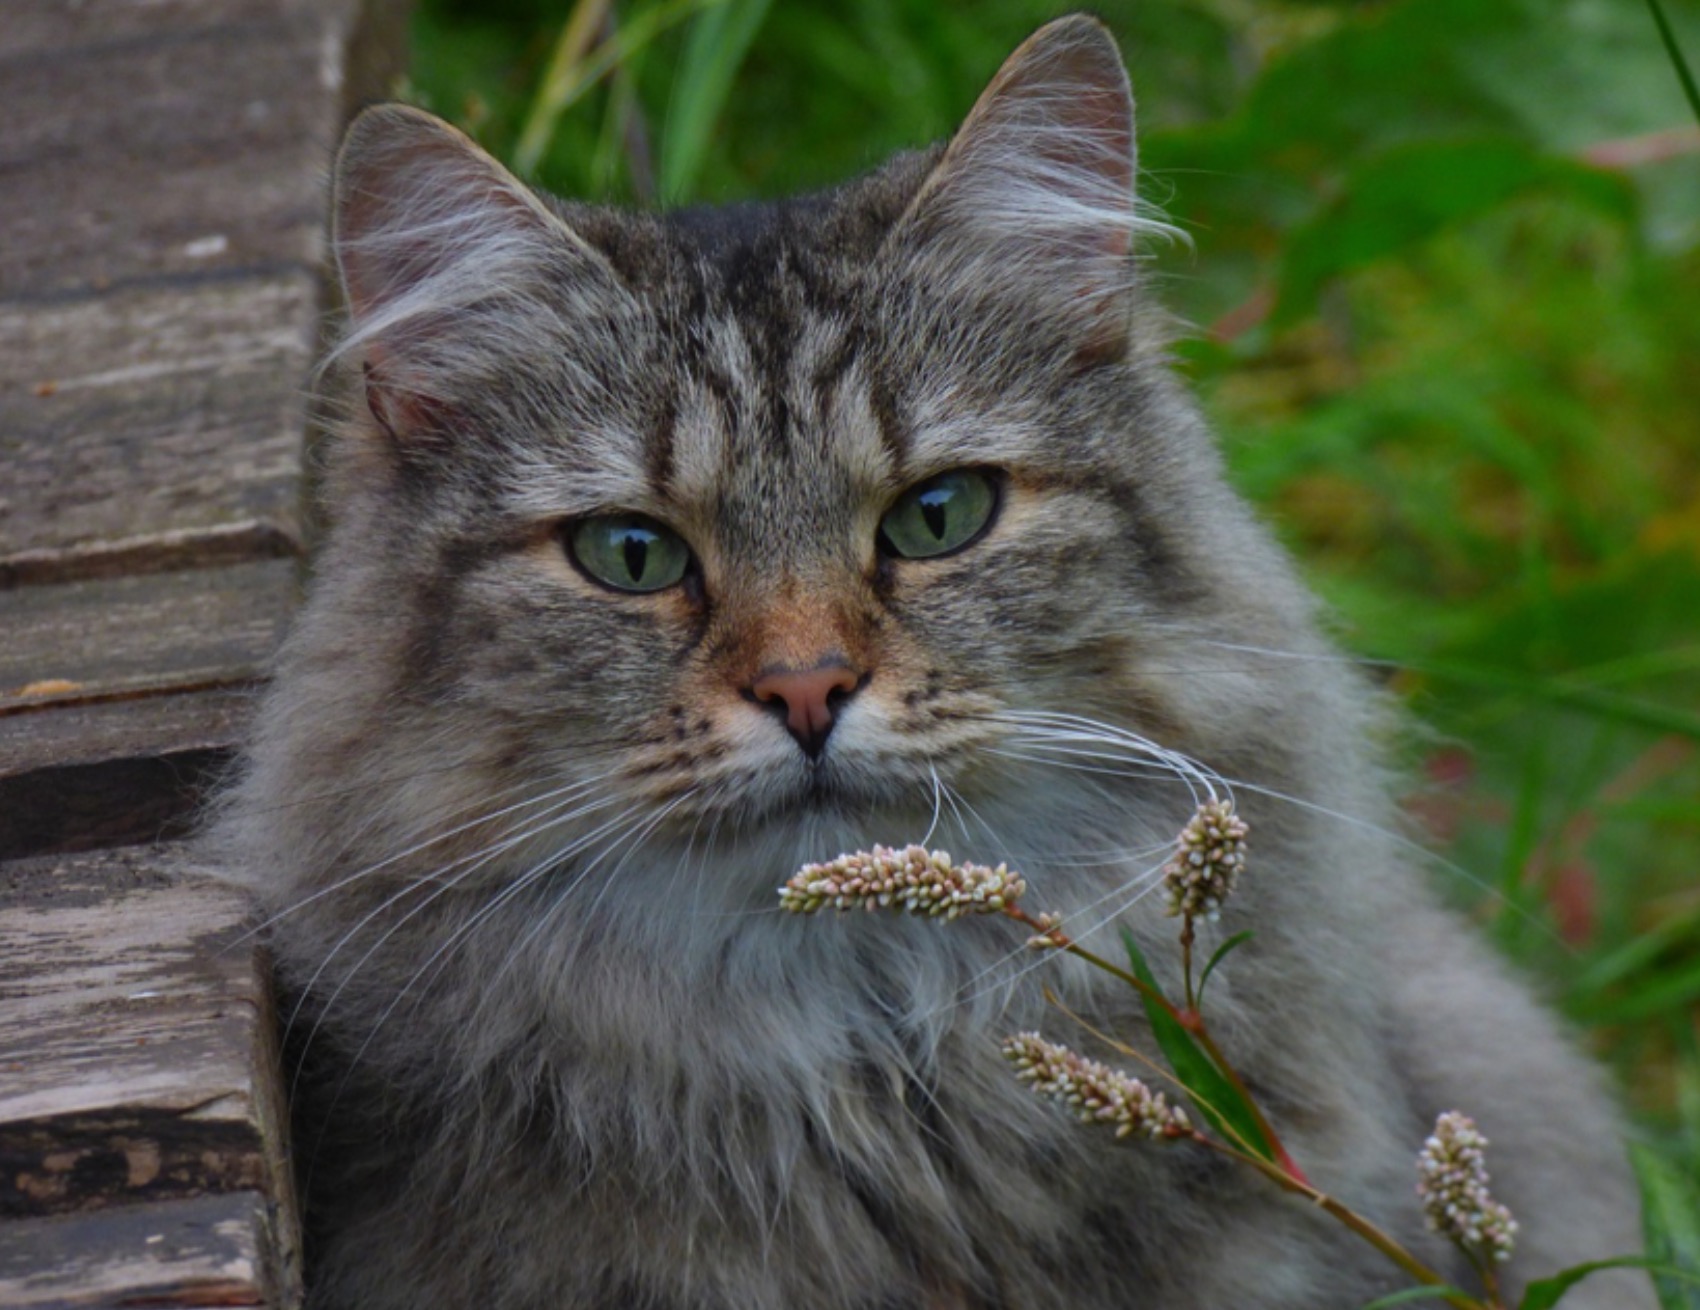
(138, 1060)
(154, 410)
(161, 298)
(82, 777)
(198, 139)
(121, 698)
(209, 1251)
(106, 637)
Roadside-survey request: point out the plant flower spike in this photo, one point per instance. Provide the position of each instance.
(1096, 1092)
(1204, 870)
(913, 879)
(1452, 1180)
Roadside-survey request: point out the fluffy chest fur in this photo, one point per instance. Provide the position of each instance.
(671, 552)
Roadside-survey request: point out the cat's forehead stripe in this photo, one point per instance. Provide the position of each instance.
(773, 404)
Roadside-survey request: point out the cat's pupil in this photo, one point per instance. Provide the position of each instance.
(933, 511)
(636, 548)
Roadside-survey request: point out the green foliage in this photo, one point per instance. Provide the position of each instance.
(1216, 958)
(1446, 262)
(1544, 1293)
(1218, 1102)
(1670, 1217)
(718, 42)
(1411, 1295)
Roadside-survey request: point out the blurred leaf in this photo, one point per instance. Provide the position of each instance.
(1634, 956)
(581, 60)
(1544, 1293)
(715, 47)
(1437, 1292)
(1656, 991)
(1678, 60)
(1406, 194)
(1670, 1222)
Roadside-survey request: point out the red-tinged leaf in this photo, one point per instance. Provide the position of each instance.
(1217, 1100)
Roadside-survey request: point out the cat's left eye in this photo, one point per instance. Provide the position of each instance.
(940, 516)
(628, 552)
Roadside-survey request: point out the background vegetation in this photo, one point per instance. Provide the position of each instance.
(1445, 282)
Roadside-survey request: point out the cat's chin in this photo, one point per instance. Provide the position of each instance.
(834, 790)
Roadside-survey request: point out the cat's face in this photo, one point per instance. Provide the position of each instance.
(756, 517)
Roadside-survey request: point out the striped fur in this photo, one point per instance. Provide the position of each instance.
(517, 836)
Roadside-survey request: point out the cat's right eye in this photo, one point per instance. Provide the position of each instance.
(628, 552)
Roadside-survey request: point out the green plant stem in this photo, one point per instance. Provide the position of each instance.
(1190, 1019)
(561, 80)
(1384, 1242)
(1490, 1280)
(1684, 74)
(580, 61)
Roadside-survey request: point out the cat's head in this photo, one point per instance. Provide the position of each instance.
(802, 517)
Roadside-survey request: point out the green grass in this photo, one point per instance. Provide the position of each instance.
(1447, 288)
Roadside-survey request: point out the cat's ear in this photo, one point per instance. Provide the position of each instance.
(1035, 192)
(439, 247)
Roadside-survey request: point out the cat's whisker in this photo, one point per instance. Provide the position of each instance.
(375, 784)
(568, 792)
(1307, 657)
(1071, 730)
(535, 874)
(636, 836)
(473, 863)
(532, 875)
(1107, 764)
(1035, 756)
(1078, 729)
(1037, 750)
(938, 802)
(1140, 886)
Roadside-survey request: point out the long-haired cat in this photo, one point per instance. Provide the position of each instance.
(669, 551)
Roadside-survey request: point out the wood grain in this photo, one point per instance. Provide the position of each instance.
(84, 777)
(209, 1251)
(122, 698)
(138, 1060)
(161, 298)
(153, 410)
(197, 140)
(108, 636)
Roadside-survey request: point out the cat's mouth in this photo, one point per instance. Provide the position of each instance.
(844, 788)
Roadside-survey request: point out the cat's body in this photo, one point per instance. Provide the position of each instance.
(521, 832)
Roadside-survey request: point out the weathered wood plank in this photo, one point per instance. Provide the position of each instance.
(44, 28)
(105, 637)
(121, 698)
(154, 410)
(82, 777)
(185, 149)
(209, 1251)
(138, 1059)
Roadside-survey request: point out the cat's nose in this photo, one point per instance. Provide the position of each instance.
(808, 698)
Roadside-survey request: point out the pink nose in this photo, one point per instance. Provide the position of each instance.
(808, 698)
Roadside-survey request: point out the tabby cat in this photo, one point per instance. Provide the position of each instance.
(670, 551)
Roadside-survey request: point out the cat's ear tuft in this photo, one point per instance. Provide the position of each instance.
(435, 241)
(1037, 186)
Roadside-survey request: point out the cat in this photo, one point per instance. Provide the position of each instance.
(670, 551)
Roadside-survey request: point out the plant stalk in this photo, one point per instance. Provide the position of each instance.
(1382, 1241)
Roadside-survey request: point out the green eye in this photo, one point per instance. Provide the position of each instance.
(628, 552)
(941, 515)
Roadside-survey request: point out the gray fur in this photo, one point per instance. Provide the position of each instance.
(518, 837)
